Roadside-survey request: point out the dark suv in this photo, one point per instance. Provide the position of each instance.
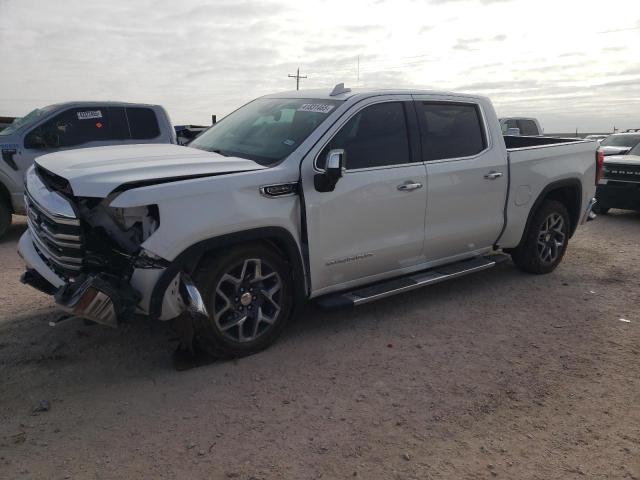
(620, 183)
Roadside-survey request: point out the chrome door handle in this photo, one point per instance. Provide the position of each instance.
(406, 187)
(492, 175)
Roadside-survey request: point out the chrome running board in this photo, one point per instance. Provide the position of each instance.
(407, 283)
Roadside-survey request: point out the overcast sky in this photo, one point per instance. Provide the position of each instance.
(573, 64)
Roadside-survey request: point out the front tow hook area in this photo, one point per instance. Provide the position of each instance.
(99, 298)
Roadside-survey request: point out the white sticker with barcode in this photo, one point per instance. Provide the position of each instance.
(315, 107)
(88, 115)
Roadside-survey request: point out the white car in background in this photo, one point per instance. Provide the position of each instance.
(597, 138)
(620, 143)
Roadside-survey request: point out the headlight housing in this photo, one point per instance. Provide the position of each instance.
(142, 221)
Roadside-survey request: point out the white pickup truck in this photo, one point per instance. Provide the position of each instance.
(340, 196)
(66, 126)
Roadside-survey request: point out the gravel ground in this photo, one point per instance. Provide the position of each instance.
(499, 374)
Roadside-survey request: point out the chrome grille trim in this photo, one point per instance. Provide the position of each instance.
(42, 231)
(55, 230)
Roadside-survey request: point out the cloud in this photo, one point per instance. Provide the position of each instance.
(198, 57)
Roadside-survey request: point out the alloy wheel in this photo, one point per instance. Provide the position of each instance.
(247, 300)
(551, 238)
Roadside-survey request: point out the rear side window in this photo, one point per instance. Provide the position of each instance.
(374, 137)
(451, 130)
(528, 127)
(142, 123)
(70, 128)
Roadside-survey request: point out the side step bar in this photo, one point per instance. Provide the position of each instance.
(394, 286)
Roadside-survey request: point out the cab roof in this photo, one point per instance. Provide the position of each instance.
(348, 93)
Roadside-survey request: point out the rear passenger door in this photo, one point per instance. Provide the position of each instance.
(466, 179)
(372, 225)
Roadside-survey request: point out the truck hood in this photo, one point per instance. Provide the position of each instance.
(610, 150)
(623, 160)
(96, 172)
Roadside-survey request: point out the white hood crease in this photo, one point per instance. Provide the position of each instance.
(96, 172)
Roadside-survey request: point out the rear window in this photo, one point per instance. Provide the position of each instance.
(451, 130)
(528, 127)
(142, 123)
(621, 141)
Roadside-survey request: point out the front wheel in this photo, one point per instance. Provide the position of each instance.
(248, 293)
(546, 240)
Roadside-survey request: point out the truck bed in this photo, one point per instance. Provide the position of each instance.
(535, 163)
(517, 142)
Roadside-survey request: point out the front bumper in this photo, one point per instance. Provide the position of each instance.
(617, 194)
(104, 298)
(97, 297)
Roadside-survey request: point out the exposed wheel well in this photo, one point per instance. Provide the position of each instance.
(570, 196)
(567, 192)
(274, 237)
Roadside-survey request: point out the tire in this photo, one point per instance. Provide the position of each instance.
(5, 217)
(245, 314)
(546, 240)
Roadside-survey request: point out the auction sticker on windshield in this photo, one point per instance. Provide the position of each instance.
(315, 107)
(89, 115)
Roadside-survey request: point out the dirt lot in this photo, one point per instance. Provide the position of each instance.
(500, 374)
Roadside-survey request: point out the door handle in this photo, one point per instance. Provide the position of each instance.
(492, 175)
(407, 187)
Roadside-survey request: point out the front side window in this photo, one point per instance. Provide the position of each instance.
(451, 130)
(70, 128)
(374, 137)
(28, 119)
(266, 130)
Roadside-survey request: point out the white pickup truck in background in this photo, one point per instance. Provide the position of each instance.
(340, 196)
(66, 126)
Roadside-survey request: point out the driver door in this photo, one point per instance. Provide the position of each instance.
(371, 226)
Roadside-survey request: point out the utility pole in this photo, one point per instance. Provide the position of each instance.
(297, 77)
(358, 80)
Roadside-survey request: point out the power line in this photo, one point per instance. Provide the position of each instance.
(297, 77)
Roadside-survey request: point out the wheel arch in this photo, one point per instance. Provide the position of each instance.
(277, 238)
(569, 193)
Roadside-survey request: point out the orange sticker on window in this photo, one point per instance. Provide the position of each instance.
(98, 125)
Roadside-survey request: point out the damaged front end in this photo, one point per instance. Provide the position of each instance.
(101, 298)
(89, 255)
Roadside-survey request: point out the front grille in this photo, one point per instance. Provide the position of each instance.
(57, 237)
(619, 171)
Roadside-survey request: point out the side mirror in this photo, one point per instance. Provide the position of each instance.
(334, 167)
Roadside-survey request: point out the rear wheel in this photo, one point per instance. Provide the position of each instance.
(546, 240)
(248, 293)
(5, 217)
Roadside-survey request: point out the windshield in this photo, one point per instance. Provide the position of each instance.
(266, 130)
(635, 150)
(28, 119)
(621, 141)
